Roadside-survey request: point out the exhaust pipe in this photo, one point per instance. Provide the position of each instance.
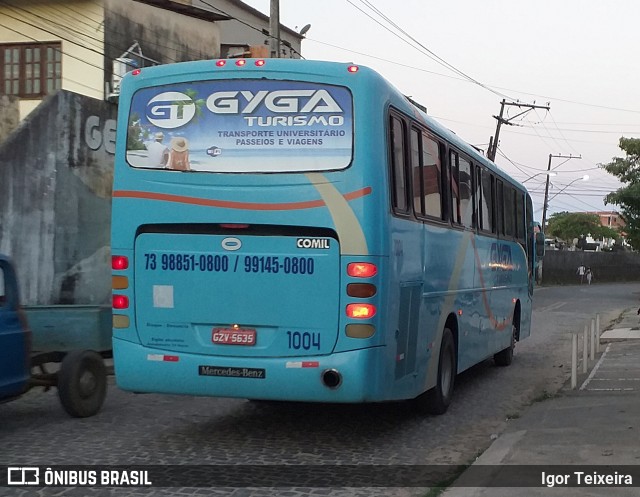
(331, 378)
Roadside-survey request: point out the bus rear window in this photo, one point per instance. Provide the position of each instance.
(241, 126)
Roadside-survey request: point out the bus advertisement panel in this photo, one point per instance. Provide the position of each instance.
(242, 126)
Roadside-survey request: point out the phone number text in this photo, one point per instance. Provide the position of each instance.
(225, 263)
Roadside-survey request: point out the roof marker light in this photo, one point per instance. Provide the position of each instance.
(241, 62)
(260, 62)
(221, 63)
(352, 68)
(135, 72)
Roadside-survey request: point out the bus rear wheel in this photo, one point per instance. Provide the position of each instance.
(437, 400)
(505, 357)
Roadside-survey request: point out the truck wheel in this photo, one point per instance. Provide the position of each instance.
(437, 400)
(82, 383)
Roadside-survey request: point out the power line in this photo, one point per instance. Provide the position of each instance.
(419, 46)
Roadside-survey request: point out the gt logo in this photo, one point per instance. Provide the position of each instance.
(170, 110)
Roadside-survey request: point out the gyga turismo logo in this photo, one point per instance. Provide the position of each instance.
(170, 110)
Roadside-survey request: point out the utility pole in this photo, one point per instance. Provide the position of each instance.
(546, 200)
(546, 188)
(274, 28)
(493, 141)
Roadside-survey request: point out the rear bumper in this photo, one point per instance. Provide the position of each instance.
(144, 369)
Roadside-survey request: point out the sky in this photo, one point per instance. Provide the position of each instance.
(579, 57)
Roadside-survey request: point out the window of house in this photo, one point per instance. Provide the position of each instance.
(30, 70)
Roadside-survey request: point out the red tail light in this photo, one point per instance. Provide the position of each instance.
(260, 62)
(361, 269)
(221, 63)
(119, 262)
(135, 72)
(120, 302)
(241, 62)
(353, 69)
(361, 311)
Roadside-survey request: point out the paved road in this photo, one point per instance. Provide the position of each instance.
(154, 429)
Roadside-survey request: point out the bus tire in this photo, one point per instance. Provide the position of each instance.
(82, 383)
(505, 357)
(437, 400)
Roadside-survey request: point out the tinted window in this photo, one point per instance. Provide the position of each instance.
(397, 165)
(520, 220)
(416, 172)
(466, 191)
(486, 203)
(509, 211)
(432, 174)
(455, 188)
(500, 207)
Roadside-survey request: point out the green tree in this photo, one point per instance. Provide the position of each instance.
(627, 170)
(570, 225)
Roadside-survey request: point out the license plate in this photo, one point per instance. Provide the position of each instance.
(231, 336)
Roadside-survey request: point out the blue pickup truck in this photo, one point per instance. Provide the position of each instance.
(34, 337)
(15, 337)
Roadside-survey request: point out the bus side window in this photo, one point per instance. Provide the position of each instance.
(500, 207)
(398, 176)
(455, 188)
(509, 211)
(465, 182)
(3, 289)
(486, 203)
(432, 177)
(520, 219)
(416, 172)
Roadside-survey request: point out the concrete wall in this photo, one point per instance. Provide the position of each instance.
(163, 35)
(9, 115)
(56, 174)
(560, 266)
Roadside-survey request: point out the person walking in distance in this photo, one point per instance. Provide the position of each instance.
(589, 275)
(581, 272)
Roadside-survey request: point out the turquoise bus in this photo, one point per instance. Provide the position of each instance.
(300, 230)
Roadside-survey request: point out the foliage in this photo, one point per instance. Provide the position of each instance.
(136, 135)
(627, 170)
(570, 225)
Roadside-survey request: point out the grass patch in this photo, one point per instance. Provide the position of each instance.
(616, 320)
(543, 396)
(443, 485)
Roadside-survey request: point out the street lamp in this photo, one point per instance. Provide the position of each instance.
(584, 178)
(546, 188)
